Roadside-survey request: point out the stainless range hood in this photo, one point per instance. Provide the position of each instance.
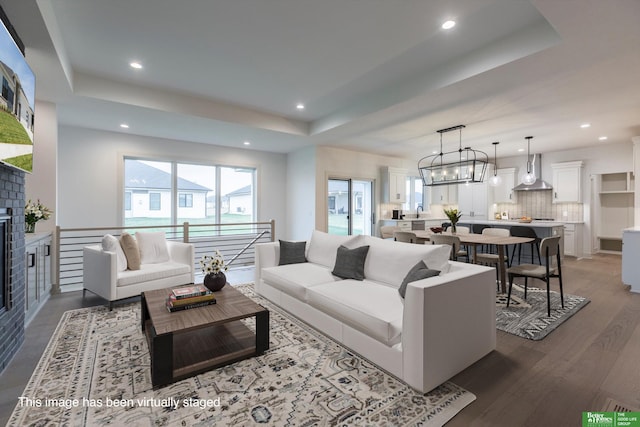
(539, 184)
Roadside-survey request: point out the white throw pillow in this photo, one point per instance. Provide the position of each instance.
(111, 244)
(323, 248)
(153, 247)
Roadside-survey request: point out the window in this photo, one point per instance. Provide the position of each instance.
(185, 200)
(416, 196)
(154, 201)
(127, 200)
(167, 192)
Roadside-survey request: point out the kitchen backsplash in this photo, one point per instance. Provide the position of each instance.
(539, 204)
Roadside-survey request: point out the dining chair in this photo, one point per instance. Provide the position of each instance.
(522, 231)
(453, 242)
(405, 236)
(489, 258)
(550, 247)
(386, 231)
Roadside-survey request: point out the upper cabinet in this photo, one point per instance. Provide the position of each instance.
(567, 182)
(444, 194)
(472, 200)
(394, 185)
(503, 193)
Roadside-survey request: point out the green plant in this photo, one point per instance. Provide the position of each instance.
(453, 215)
(34, 212)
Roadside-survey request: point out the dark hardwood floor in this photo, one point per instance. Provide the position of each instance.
(592, 357)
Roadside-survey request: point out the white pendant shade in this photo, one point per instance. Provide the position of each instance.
(495, 180)
(529, 178)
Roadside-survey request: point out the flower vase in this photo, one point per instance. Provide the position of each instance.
(453, 229)
(215, 281)
(29, 227)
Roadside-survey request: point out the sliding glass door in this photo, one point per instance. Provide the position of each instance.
(350, 206)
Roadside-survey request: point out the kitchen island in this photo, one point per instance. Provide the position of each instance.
(542, 228)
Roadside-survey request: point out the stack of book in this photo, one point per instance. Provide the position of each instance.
(186, 297)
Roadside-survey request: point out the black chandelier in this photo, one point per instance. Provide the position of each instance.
(461, 166)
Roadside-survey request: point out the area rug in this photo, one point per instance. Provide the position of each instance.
(95, 372)
(528, 318)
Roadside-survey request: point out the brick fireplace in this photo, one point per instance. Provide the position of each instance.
(12, 200)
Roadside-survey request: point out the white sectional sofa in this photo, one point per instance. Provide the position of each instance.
(444, 324)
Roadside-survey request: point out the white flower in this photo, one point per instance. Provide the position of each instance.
(213, 264)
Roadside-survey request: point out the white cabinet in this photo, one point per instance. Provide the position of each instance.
(503, 193)
(567, 182)
(472, 200)
(38, 272)
(573, 240)
(394, 185)
(444, 194)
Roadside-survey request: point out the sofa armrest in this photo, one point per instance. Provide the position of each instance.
(266, 255)
(184, 253)
(449, 322)
(100, 273)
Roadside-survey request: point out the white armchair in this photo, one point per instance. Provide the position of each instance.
(102, 276)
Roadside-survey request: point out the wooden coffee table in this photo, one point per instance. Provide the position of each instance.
(184, 343)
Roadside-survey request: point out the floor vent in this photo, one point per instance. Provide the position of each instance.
(613, 405)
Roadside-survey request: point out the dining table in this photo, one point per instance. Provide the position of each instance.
(473, 240)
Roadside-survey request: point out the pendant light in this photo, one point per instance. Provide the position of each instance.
(462, 166)
(496, 179)
(530, 176)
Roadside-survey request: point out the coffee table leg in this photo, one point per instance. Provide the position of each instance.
(162, 359)
(262, 332)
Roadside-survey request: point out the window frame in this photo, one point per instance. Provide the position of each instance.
(185, 197)
(159, 201)
(174, 191)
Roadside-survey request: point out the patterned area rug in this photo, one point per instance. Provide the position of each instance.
(528, 319)
(95, 372)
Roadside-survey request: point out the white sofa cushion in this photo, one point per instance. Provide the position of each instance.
(323, 248)
(294, 279)
(153, 247)
(111, 244)
(367, 306)
(389, 262)
(149, 272)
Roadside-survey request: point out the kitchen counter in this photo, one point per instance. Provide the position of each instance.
(509, 223)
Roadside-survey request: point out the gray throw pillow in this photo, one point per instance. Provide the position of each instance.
(292, 252)
(417, 272)
(350, 262)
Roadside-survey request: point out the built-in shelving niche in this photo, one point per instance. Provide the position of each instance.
(614, 194)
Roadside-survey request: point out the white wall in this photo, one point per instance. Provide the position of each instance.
(301, 197)
(91, 168)
(42, 183)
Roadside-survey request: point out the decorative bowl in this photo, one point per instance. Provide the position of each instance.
(436, 230)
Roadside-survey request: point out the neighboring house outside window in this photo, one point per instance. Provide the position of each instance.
(127, 200)
(154, 201)
(167, 192)
(185, 200)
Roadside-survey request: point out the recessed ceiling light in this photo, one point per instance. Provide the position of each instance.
(136, 65)
(603, 138)
(246, 143)
(447, 25)
(300, 106)
(585, 125)
(434, 152)
(124, 126)
(520, 149)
